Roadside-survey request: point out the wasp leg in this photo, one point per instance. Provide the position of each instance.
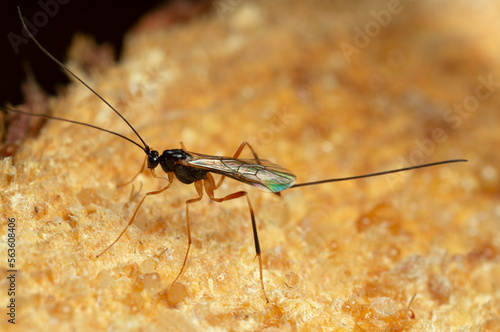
(135, 176)
(238, 152)
(156, 192)
(209, 188)
(199, 188)
(236, 155)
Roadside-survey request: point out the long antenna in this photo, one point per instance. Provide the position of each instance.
(378, 173)
(145, 148)
(50, 117)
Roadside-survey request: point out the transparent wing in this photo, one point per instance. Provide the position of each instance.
(264, 175)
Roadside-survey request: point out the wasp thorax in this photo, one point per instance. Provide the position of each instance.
(169, 159)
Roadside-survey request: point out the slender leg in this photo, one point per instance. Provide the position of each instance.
(199, 188)
(209, 188)
(238, 152)
(135, 176)
(156, 192)
(236, 155)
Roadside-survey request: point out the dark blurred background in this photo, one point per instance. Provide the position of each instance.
(58, 22)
